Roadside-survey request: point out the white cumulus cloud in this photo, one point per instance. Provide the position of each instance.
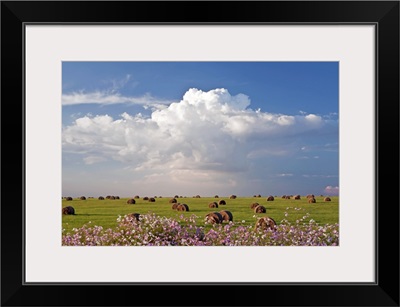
(331, 190)
(205, 131)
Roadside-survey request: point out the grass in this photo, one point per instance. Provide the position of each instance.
(105, 212)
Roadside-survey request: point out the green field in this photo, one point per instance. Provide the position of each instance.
(105, 212)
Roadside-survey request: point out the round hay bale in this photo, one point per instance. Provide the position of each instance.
(197, 196)
(68, 210)
(68, 198)
(287, 197)
(259, 195)
(108, 196)
(310, 196)
(216, 196)
(232, 197)
(145, 198)
(112, 197)
(101, 198)
(222, 202)
(265, 223)
(159, 196)
(182, 207)
(135, 215)
(296, 197)
(82, 198)
(254, 195)
(137, 196)
(116, 197)
(327, 199)
(260, 209)
(254, 205)
(226, 216)
(213, 218)
(176, 196)
(270, 198)
(175, 206)
(173, 200)
(152, 199)
(311, 200)
(131, 201)
(213, 205)
(283, 196)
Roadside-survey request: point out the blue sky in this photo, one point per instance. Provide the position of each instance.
(187, 128)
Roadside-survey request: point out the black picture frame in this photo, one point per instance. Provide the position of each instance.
(383, 14)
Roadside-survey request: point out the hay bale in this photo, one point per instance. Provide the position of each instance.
(260, 209)
(101, 198)
(197, 196)
(108, 196)
(112, 197)
(173, 200)
(137, 196)
(152, 199)
(222, 202)
(68, 210)
(327, 199)
(232, 197)
(288, 197)
(254, 195)
(311, 200)
(296, 197)
(135, 215)
(226, 216)
(175, 205)
(213, 218)
(82, 198)
(216, 196)
(159, 196)
(310, 196)
(176, 196)
(265, 223)
(145, 198)
(213, 205)
(131, 201)
(182, 207)
(68, 198)
(270, 198)
(116, 197)
(259, 195)
(254, 205)
(283, 196)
